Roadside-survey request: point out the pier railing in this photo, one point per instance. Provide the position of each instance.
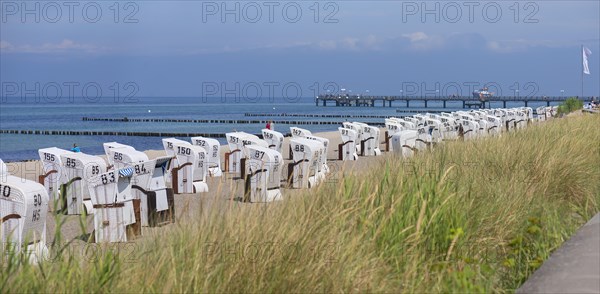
(467, 101)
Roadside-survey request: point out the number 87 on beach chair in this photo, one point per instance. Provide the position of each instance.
(263, 175)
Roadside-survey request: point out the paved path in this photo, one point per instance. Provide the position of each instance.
(573, 268)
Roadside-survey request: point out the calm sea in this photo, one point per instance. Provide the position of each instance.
(66, 115)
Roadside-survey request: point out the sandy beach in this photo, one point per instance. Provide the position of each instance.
(224, 192)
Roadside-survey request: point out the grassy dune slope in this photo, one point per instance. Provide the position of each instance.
(468, 216)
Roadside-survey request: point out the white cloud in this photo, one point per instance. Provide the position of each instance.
(371, 42)
(64, 46)
(5, 45)
(327, 45)
(520, 45)
(416, 37)
(420, 41)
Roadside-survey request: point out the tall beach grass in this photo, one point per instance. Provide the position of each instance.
(475, 216)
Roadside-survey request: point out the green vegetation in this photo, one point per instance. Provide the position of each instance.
(475, 216)
(570, 105)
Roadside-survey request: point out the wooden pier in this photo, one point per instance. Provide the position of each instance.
(467, 101)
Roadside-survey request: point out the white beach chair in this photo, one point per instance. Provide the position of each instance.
(263, 174)
(234, 159)
(190, 174)
(111, 145)
(24, 206)
(404, 143)
(359, 133)
(434, 128)
(78, 169)
(52, 167)
(109, 192)
(168, 145)
(392, 128)
(369, 143)
(213, 150)
(347, 149)
(274, 139)
(303, 172)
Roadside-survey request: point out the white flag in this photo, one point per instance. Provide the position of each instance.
(586, 54)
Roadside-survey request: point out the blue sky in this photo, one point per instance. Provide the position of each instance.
(176, 48)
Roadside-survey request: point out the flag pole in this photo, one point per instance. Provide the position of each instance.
(582, 53)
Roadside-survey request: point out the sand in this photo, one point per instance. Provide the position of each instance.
(224, 191)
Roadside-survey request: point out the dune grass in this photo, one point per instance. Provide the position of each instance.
(476, 216)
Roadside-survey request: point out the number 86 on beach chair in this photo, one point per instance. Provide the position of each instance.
(148, 185)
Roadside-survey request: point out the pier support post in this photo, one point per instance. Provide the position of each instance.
(504, 104)
(425, 103)
(407, 103)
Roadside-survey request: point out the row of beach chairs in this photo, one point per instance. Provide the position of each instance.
(128, 190)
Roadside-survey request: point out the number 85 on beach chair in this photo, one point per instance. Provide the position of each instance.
(78, 168)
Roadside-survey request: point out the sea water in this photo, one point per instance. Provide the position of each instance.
(28, 114)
